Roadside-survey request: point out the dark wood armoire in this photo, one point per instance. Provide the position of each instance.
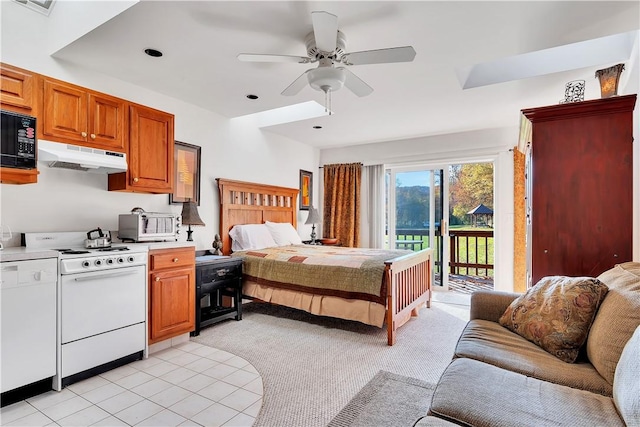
(580, 189)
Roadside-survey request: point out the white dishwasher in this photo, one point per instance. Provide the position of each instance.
(28, 303)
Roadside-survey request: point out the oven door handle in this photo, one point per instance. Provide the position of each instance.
(104, 276)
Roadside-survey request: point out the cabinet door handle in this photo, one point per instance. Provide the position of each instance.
(135, 180)
(157, 279)
(93, 136)
(84, 134)
(175, 260)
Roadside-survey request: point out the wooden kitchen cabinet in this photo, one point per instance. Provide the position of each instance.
(81, 116)
(18, 176)
(150, 154)
(171, 293)
(580, 189)
(17, 90)
(18, 94)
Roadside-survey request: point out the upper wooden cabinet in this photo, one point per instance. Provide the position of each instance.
(150, 154)
(76, 115)
(18, 94)
(17, 90)
(80, 116)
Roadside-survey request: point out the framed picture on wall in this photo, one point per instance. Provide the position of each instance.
(186, 173)
(306, 190)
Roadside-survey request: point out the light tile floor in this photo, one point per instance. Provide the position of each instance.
(186, 385)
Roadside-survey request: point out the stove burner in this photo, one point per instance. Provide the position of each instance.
(120, 248)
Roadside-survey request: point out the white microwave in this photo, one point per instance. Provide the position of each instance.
(149, 227)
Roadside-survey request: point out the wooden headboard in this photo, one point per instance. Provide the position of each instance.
(251, 203)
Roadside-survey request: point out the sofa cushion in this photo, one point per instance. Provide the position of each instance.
(556, 313)
(491, 343)
(474, 393)
(617, 319)
(626, 385)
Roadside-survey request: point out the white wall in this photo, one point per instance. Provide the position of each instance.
(65, 200)
(630, 83)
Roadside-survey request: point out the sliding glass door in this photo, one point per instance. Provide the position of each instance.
(416, 200)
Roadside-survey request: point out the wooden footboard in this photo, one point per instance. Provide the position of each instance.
(408, 280)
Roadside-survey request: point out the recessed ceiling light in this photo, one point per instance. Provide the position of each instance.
(317, 127)
(252, 96)
(153, 52)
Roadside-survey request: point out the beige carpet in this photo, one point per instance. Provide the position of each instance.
(313, 366)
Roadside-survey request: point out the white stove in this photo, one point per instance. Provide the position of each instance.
(102, 304)
(74, 257)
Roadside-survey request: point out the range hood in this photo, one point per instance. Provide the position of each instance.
(69, 156)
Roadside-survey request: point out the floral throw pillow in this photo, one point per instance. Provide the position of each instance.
(556, 313)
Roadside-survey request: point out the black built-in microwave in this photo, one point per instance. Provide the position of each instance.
(18, 140)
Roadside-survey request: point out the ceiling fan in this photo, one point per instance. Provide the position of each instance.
(325, 45)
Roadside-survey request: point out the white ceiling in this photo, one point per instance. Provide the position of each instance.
(201, 39)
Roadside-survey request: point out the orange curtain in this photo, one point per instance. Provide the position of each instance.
(342, 203)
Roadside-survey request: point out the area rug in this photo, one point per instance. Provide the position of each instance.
(387, 400)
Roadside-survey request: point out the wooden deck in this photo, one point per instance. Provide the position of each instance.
(468, 284)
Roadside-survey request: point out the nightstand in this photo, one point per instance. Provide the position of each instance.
(218, 282)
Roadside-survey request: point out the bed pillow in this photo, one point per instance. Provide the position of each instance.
(283, 233)
(556, 313)
(250, 236)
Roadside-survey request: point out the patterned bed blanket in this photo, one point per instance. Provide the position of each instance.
(352, 273)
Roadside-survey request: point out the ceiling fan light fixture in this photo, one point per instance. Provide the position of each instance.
(327, 79)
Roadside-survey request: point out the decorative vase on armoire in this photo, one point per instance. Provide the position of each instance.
(581, 187)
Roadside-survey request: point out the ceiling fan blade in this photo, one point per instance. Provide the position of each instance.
(297, 85)
(380, 56)
(258, 57)
(355, 84)
(325, 30)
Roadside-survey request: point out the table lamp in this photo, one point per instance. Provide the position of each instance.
(313, 218)
(190, 217)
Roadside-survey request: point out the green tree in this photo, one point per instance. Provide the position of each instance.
(471, 185)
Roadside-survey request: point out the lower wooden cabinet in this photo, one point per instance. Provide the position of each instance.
(171, 293)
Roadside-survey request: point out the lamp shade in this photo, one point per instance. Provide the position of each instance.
(609, 79)
(314, 216)
(190, 214)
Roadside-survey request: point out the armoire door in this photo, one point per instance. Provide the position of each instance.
(582, 171)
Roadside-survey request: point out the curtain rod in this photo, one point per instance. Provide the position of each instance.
(360, 163)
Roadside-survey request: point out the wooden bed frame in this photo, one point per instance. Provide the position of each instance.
(408, 277)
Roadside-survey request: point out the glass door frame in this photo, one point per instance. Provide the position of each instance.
(444, 223)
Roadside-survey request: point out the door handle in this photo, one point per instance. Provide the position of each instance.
(104, 276)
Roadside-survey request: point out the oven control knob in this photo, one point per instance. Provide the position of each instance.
(120, 260)
(110, 261)
(98, 262)
(130, 259)
(85, 264)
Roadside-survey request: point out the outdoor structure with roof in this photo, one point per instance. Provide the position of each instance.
(481, 216)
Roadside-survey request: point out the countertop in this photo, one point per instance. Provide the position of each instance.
(20, 253)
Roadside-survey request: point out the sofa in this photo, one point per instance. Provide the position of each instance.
(499, 378)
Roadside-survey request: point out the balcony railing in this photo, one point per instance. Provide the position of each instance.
(470, 251)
